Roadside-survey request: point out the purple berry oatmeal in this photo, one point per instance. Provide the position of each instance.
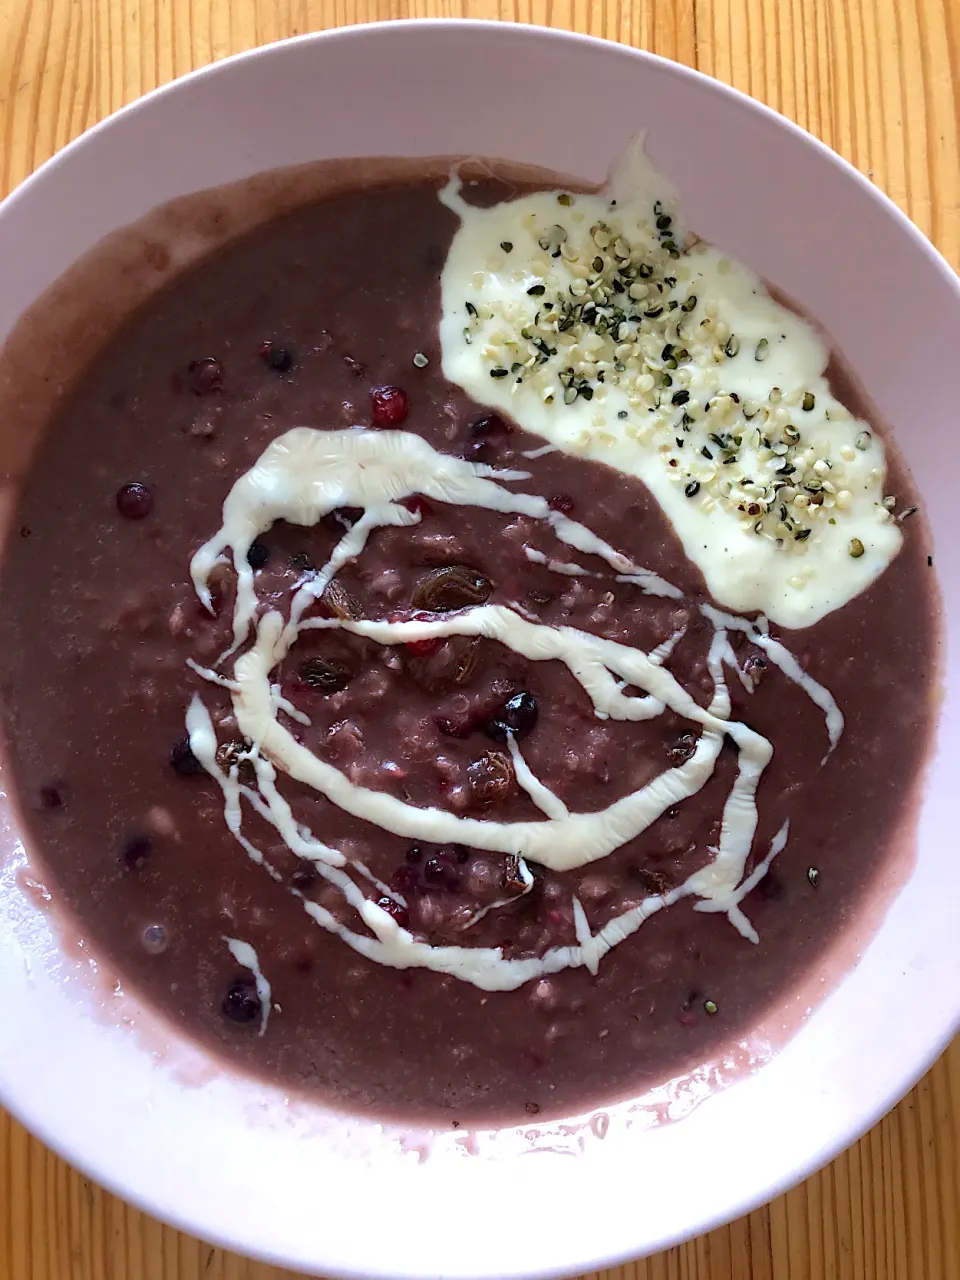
(499, 724)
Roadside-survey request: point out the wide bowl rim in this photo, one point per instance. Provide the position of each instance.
(93, 1163)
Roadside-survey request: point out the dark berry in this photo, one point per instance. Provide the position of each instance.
(491, 424)
(258, 555)
(136, 852)
(414, 853)
(51, 796)
(241, 1002)
(205, 376)
(395, 909)
(771, 887)
(155, 939)
(182, 759)
(518, 716)
(305, 876)
(279, 359)
(442, 871)
(134, 500)
(561, 502)
(325, 675)
(479, 451)
(390, 406)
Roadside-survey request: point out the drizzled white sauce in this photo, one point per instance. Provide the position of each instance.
(794, 577)
(245, 955)
(303, 475)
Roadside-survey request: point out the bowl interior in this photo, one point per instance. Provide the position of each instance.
(234, 1161)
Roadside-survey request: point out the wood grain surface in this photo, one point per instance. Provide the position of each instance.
(879, 80)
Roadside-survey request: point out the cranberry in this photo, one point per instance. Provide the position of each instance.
(424, 648)
(205, 376)
(754, 668)
(518, 716)
(134, 500)
(771, 888)
(182, 759)
(279, 359)
(561, 502)
(258, 555)
(391, 405)
(491, 424)
(241, 1003)
(395, 909)
(51, 796)
(136, 852)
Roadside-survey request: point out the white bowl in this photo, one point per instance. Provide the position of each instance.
(234, 1161)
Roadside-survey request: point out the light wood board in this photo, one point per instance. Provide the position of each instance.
(879, 80)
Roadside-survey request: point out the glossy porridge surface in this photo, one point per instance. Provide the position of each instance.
(292, 327)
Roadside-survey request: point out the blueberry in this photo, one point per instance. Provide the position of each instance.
(279, 359)
(134, 500)
(518, 716)
(182, 759)
(305, 876)
(258, 555)
(135, 852)
(241, 1002)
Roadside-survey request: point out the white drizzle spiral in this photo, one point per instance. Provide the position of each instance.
(306, 473)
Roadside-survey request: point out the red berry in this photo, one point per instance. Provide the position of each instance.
(423, 648)
(561, 502)
(390, 406)
(393, 908)
(134, 500)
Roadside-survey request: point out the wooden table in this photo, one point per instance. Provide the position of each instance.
(876, 79)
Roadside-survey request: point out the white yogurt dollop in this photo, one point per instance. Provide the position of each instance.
(583, 317)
